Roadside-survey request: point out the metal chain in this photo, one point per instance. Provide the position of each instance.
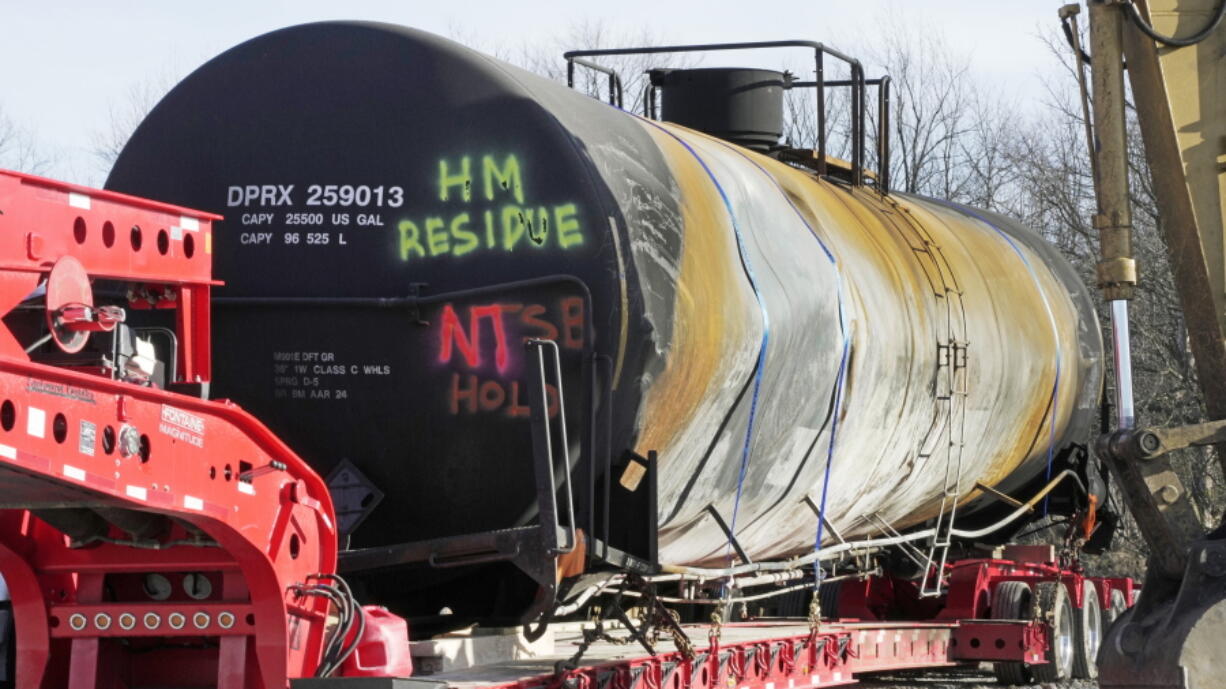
(717, 627)
(660, 618)
(655, 618)
(815, 614)
(670, 621)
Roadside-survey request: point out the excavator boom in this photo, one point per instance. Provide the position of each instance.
(1174, 55)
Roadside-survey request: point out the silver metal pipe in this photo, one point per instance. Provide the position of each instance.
(831, 552)
(1125, 413)
(782, 571)
(741, 583)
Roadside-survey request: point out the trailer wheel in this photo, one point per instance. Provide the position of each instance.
(1011, 602)
(1089, 634)
(1054, 607)
(1119, 603)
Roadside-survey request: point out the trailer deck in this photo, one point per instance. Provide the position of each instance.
(757, 655)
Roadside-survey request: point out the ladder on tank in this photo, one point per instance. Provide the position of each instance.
(951, 400)
(948, 429)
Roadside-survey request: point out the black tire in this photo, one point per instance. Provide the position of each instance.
(1089, 633)
(1119, 603)
(1053, 606)
(1011, 601)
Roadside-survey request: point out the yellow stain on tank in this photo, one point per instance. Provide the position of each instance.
(709, 308)
(933, 255)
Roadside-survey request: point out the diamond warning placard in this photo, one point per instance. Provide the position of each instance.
(353, 495)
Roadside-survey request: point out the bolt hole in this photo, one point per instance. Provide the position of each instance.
(974, 642)
(59, 428)
(54, 621)
(212, 473)
(250, 620)
(78, 230)
(108, 439)
(1000, 643)
(189, 245)
(136, 238)
(295, 546)
(228, 473)
(108, 234)
(163, 242)
(8, 415)
(145, 449)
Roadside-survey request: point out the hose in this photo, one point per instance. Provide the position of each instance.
(742, 583)
(350, 617)
(836, 550)
(1171, 41)
(742, 599)
(1148, 29)
(785, 570)
(1072, 42)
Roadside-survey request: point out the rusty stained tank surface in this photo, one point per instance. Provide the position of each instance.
(902, 279)
(720, 284)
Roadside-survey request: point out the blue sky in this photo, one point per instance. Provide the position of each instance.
(68, 64)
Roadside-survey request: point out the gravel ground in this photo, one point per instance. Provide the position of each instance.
(953, 679)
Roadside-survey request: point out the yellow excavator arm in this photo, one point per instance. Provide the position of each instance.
(1173, 53)
(1180, 96)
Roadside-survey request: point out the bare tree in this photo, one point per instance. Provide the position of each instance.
(933, 94)
(546, 60)
(19, 149)
(124, 114)
(800, 124)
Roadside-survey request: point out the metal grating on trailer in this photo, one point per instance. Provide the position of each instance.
(746, 656)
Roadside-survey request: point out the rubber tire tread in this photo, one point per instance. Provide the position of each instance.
(1011, 601)
(1051, 601)
(1118, 605)
(1085, 661)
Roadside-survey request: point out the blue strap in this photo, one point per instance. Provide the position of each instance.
(761, 363)
(843, 361)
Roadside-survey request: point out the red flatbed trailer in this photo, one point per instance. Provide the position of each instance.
(767, 655)
(779, 654)
(794, 654)
(112, 490)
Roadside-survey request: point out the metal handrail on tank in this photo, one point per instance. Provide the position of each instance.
(542, 432)
(521, 545)
(883, 133)
(615, 79)
(883, 121)
(819, 52)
